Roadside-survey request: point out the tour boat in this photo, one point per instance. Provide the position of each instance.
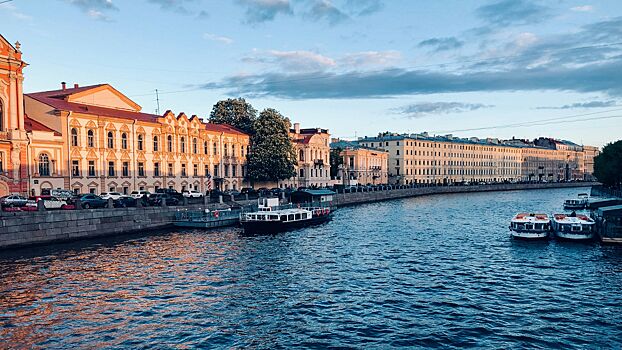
(530, 226)
(576, 227)
(273, 218)
(577, 203)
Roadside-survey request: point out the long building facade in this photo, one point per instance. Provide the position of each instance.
(95, 139)
(421, 158)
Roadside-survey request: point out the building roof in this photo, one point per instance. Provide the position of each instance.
(614, 209)
(304, 140)
(33, 125)
(343, 144)
(57, 100)
(449, 139)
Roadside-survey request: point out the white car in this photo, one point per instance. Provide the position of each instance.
(48, 202)
(139, 194)
(192, 194)
(113, 195)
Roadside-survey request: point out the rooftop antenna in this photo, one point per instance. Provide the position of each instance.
(158, 102)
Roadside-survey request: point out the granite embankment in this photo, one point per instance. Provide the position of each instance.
(30, 228)
(375, 196)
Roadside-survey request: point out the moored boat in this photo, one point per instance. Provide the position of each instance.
(271, 218)
(576, 227)
(530, 226)
(577, 203)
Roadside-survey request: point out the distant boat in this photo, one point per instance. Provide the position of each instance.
(271, 217)
(576, 227)
(530, 226)
(577, 203)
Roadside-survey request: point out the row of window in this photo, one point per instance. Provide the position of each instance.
(140, 143)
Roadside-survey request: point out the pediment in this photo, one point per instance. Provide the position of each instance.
(104, 96)
(91, 155)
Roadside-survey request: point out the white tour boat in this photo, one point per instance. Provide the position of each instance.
(573, 226)
(577, 203)
(530, 226)
(271, 218)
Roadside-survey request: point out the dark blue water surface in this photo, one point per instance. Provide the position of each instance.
(437, 271)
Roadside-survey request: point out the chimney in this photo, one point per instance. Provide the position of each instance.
(63, 85)
(297, 128)
(75, 85)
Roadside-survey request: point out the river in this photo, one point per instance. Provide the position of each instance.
(435, 271)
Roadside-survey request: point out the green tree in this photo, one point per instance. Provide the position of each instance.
(336, 160)
(272, 155)
(608, 165)
(235, 112)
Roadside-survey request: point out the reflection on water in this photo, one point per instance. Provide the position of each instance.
(429, 271)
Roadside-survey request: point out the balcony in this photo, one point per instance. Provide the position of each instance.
(318, 162)
(375, 168)
(5, 135)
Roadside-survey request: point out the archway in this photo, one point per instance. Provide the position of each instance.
(4, 189)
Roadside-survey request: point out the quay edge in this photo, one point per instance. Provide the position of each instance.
(38, 228)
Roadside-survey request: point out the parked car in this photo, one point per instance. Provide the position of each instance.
(139, 194)
(125, 202)
(157, 198)
(62, 194)
(49, 202)
(171, 192)
(113, 195)
(232, 192)
(276, 191)
(215, 193)
(192, 194)
(13, 200)
(89, 201)
(248, 190)
(264, 192)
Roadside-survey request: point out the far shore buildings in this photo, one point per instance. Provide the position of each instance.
(361, 165)
(421, 158)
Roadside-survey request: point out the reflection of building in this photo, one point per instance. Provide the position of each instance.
(95, 139)
(13, 132)
(361, 165)
(421, 158)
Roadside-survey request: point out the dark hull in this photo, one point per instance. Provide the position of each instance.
(266, 227)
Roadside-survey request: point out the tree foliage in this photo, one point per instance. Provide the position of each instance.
(336, 160)
(235, 112)
(608, 165)
(272, 155)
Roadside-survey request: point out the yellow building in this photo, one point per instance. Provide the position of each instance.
(95, 139)
(361, 165)
(590, 152)
(421, 158)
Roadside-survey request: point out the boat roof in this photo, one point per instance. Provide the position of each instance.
(528, 217)
(282, 211)
(566, 218)
(611, 210)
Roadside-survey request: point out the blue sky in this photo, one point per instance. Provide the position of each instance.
(500, 68)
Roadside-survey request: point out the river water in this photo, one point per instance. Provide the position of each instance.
(436, 271)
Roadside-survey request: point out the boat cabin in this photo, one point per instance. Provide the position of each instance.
(573, 223)
(530, 222)
(610, 222)
(323, 197)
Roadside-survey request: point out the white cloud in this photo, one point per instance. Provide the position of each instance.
(15, 12)
(584, 8)
(292, 61)
(371, 58)
(218, 38)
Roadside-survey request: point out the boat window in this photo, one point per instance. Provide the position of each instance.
(290, 217)
(274, 217)
(297, 216)
(283, 217)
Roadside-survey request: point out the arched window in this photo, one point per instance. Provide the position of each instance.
(183, 145)
(301, 156)
(90, 138)
(155, 143)
(215, 148)
(140, 142)
(194, 145)
(124, 140)
(74, 137)
(205, 147)
(226, 150)
(169, 140)
(110, 139)
(44, 165)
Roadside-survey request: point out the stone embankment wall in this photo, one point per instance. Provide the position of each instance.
(28, 228)
(343, 199)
